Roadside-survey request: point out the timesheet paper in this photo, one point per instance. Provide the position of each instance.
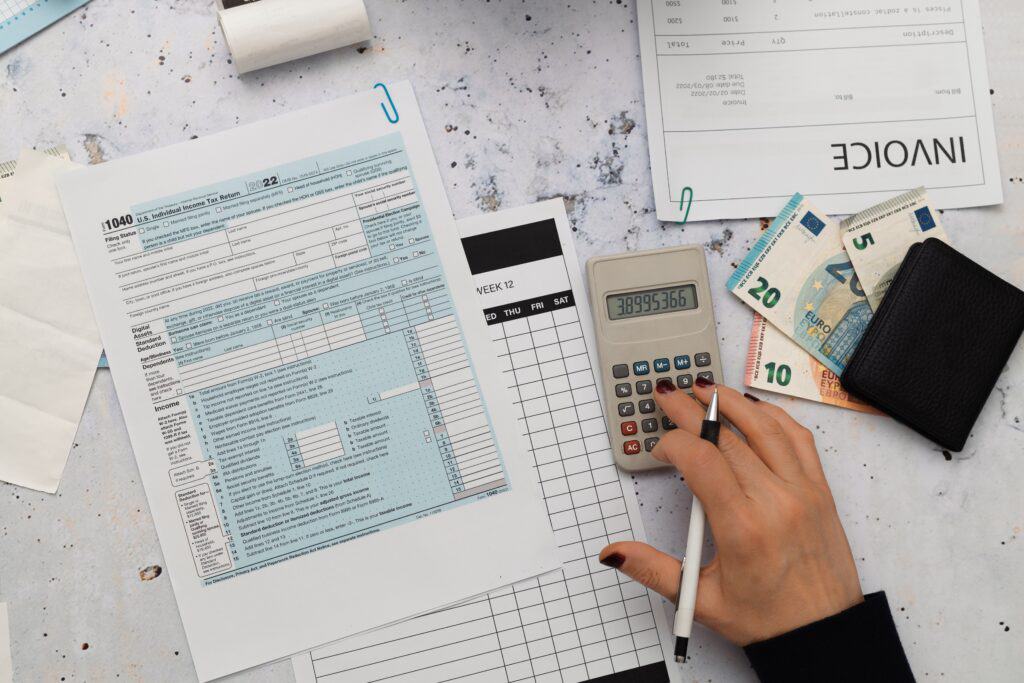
(583, 621)
(849, 103)
(319, 424)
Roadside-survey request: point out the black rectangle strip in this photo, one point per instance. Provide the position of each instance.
(523, 309)
(512, 246)
(648, 673)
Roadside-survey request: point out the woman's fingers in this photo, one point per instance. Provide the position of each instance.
(688, 414)
(764, 433)
(801, 438)
(660, 573)
(646, 565)
(705, 470)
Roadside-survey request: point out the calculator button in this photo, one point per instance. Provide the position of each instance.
(631, 447)
(647, 406)
(684, 381)
(626, 409)
(682, 362)
(623, 390)
(619, 371)
(649, 425)
(641, 367)
(629, 428)
(650, 443)
(702, 359)
(709, 376)
(644, 386)
(667, 424)
(661, 365)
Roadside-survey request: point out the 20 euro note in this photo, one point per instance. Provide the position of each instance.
(776, 363)
(800, 278)
(877, 239)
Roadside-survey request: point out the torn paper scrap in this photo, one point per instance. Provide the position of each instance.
(49, 344)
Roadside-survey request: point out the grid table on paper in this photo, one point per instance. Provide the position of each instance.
(581, 622)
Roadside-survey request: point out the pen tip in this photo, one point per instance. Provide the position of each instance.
(712, 413)
(681, 646)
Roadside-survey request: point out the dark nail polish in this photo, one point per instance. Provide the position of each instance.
(665, 386)
(614, 561)
(753, 398)
(704, 382)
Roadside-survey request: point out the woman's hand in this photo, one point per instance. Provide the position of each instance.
(782, 556)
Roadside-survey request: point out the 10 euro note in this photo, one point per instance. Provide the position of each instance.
(877, 239)
(800, 278)
(776, 363)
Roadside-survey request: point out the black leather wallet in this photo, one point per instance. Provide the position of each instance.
(935, 347)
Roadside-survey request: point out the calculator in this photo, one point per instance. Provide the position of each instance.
(653, 321)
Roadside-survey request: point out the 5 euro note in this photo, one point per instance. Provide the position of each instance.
(877, 239)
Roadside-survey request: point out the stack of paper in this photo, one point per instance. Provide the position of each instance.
(320, 426)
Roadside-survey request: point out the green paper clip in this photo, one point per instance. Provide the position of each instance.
(689, 203)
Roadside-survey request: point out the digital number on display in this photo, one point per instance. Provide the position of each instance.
(652, 302)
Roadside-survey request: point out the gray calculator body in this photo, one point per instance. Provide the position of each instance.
(653, 320)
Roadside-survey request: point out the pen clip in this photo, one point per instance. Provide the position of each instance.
(392, 116)
(689, 202)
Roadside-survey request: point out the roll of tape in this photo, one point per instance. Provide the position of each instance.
(262, 33)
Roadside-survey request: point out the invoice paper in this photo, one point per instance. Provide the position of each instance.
(319, 423)
(584, 621)
(847, 102)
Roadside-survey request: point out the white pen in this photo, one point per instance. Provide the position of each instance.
(685, 607)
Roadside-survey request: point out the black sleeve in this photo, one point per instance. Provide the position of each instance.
(859, 644)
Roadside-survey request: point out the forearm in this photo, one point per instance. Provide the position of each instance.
(858, 644)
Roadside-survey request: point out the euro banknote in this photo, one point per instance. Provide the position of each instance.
(800, 278)
(776, 363)
(877, 239)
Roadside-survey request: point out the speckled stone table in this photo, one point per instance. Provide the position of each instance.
(523, 100)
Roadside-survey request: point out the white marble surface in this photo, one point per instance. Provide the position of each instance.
(523, 100)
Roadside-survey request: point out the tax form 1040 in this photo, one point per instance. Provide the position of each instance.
(320, 426)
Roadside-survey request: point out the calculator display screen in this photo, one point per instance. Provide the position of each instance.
(652, 302)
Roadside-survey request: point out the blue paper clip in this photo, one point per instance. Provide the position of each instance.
(684, 200)
(394, 110)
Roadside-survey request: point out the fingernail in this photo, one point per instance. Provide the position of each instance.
(704, 382)
(665, 386)
(615, 560)
(753, 398)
